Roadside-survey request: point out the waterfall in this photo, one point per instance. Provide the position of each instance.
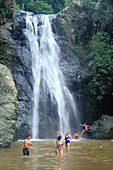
(48, 78)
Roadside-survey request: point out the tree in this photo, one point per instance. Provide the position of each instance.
(39, 7)
(57, 5)
(100, 85)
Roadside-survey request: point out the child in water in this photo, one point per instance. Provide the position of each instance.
(76, 135)
(59, 143)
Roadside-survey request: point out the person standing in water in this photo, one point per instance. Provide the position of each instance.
(57, 134)
(67, 139)
(27, 146)
(59, 145)
(85, 132)
(76, 135)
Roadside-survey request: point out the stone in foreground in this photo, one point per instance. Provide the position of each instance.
(8, 104)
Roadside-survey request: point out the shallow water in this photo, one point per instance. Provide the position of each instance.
(83, 154)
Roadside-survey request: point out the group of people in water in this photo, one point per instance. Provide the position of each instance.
(59, 140)
(68, 137)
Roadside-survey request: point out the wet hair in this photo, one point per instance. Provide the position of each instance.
(28, 135)
(59, 137)
(67, 133)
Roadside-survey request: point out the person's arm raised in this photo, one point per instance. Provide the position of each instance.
(81, 125)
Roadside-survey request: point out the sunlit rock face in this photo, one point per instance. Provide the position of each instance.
(8, 105)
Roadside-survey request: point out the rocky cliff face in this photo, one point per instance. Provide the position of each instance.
(7, 10)
(102, 128)
(8, 92)
(8, 104)
(74, 23)
(20, 65)
(20, 62)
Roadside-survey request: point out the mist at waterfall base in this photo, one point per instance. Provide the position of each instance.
(53, 104)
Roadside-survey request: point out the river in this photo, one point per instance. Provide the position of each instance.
(83, 154)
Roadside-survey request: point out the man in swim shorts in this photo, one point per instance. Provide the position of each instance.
(85, 132)
(27, 146)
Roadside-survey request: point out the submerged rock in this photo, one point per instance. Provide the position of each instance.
(8, 105)
(102, 128)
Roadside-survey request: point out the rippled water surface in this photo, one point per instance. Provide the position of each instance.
(83, 154)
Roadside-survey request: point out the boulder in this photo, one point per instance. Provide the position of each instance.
(102, 128)
(8, 105)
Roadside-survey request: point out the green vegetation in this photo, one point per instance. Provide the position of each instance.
(100, 58)
(40, 6)
(97, 52)
(3, 46)
(67, 2)
(93, 31)
(3, 55)
(3, 14)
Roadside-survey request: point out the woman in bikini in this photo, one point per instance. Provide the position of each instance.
(67, 139)
(59, 143)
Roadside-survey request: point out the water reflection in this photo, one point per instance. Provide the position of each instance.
(27, 162)
(84, 154)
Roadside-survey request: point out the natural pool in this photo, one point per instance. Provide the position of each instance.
(83, 154)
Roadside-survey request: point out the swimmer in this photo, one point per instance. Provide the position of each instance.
(59, 145)
(85, 130)
(67, 139)
(27, 144)
(76, 135)
(57, 134)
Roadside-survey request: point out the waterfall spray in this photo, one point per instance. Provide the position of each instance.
(47, 75)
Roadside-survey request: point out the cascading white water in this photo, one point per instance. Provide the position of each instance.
(45, 66)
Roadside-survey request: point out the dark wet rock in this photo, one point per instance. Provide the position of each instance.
(19, 62)
(102, 128)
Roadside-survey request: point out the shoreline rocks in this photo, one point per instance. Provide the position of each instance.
(8, 105)
(102, 128)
